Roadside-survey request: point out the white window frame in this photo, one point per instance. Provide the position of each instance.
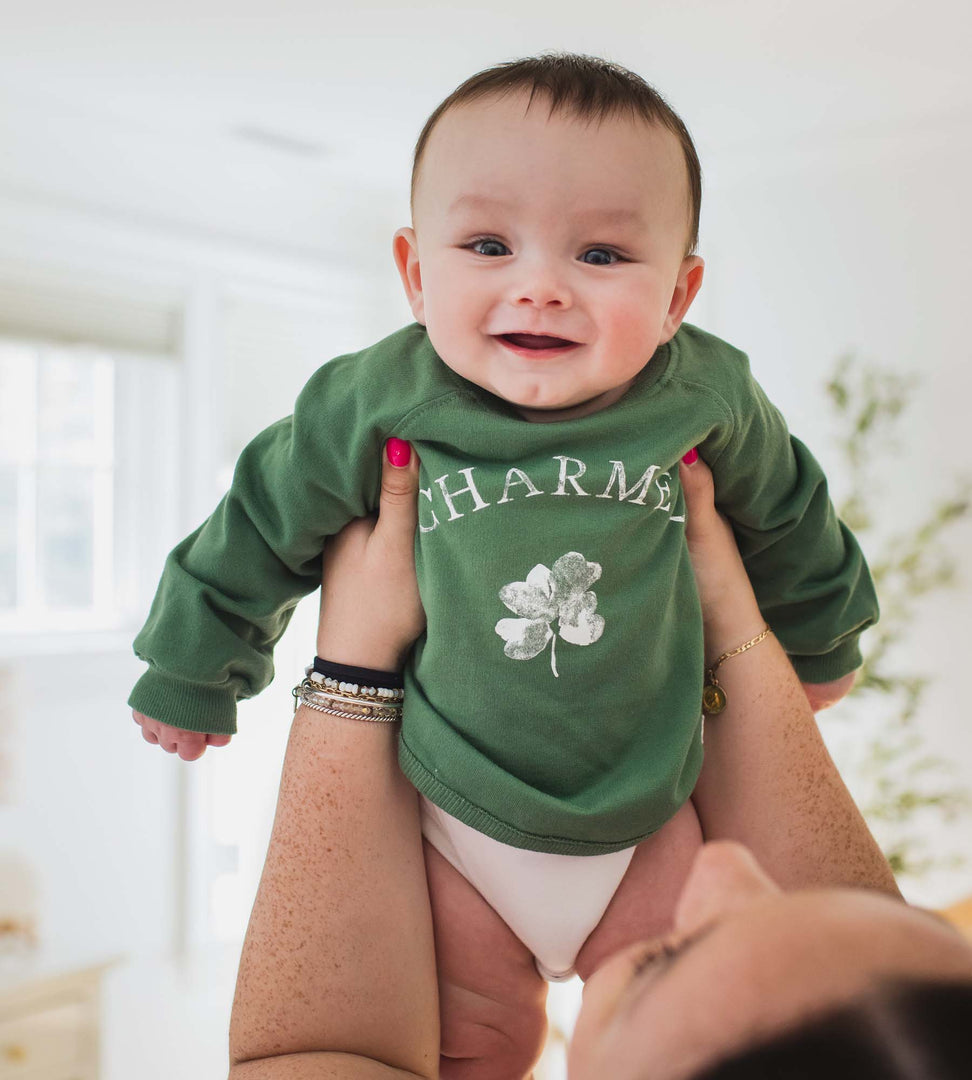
(145, 387)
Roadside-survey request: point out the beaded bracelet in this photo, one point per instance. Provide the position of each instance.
(352, 692)
(348, 706)
(355, 690)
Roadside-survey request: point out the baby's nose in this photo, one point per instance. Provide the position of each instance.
(541, 285)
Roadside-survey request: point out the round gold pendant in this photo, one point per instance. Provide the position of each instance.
(713, 699)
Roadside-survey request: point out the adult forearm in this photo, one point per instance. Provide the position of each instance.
(769, 782)
(339, 955)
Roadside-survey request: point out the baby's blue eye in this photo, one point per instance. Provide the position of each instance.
(599, 257)
(490, 247)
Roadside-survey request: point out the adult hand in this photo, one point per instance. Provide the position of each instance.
(729, 607)
(724, 588)
(370, 607)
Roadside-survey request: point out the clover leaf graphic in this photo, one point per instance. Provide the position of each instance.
(561, 592)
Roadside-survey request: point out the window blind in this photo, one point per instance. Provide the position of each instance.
(76, 311)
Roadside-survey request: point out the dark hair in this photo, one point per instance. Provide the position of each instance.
(584, 86)
(905, 1030)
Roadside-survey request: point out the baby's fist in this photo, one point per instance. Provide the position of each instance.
(823, 695)
(189, 745)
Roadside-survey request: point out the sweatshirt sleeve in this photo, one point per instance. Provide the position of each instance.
(228, 590)
(807, 569)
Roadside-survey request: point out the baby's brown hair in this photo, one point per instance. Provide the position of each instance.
(583, 86)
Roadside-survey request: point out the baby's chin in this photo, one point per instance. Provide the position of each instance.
(548, 414)
(540, 411)
(537, 405)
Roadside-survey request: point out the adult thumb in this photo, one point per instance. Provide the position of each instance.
(398, 503)
(700, 511)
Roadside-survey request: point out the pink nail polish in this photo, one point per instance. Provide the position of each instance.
(691, 457)
(399, 452)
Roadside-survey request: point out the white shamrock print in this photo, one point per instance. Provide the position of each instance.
(548, 594)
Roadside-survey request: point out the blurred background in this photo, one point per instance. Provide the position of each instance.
(196, 209)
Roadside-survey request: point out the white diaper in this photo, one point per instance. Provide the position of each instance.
(551, 902)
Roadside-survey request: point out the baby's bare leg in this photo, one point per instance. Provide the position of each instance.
(491, 997)
(644, 904)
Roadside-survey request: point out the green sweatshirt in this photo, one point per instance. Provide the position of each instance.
(554, 701)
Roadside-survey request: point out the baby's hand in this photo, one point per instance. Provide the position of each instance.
(189, 745)
(823, 695)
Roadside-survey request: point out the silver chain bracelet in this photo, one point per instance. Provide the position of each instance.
(351, 707)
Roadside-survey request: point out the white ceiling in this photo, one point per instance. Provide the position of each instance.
(136, 108)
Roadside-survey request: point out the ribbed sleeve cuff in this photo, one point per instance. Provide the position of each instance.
(841, 661)
(185, 705)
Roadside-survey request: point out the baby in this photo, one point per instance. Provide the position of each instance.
(552, 720)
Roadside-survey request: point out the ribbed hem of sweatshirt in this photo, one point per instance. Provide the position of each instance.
(185, 705)
(833, 665)
(481, 820)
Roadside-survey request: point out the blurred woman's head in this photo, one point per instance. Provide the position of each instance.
(908, 1030)
(747, 963)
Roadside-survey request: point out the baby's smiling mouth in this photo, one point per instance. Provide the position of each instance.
(536, 342)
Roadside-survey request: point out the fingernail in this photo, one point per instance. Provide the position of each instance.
(691, 457)
(399, 452)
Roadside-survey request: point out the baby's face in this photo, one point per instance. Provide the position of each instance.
(547, 259)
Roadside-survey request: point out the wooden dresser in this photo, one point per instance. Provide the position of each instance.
(50, 1020)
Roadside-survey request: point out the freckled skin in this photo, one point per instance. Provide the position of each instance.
(334, 844)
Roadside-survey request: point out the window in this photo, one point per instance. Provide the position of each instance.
(76, 425)
(57, 482)
(89, 442)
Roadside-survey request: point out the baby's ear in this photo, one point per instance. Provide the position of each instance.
(405, 251)
(687, 285)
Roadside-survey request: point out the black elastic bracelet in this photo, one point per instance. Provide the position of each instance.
(390, 680)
